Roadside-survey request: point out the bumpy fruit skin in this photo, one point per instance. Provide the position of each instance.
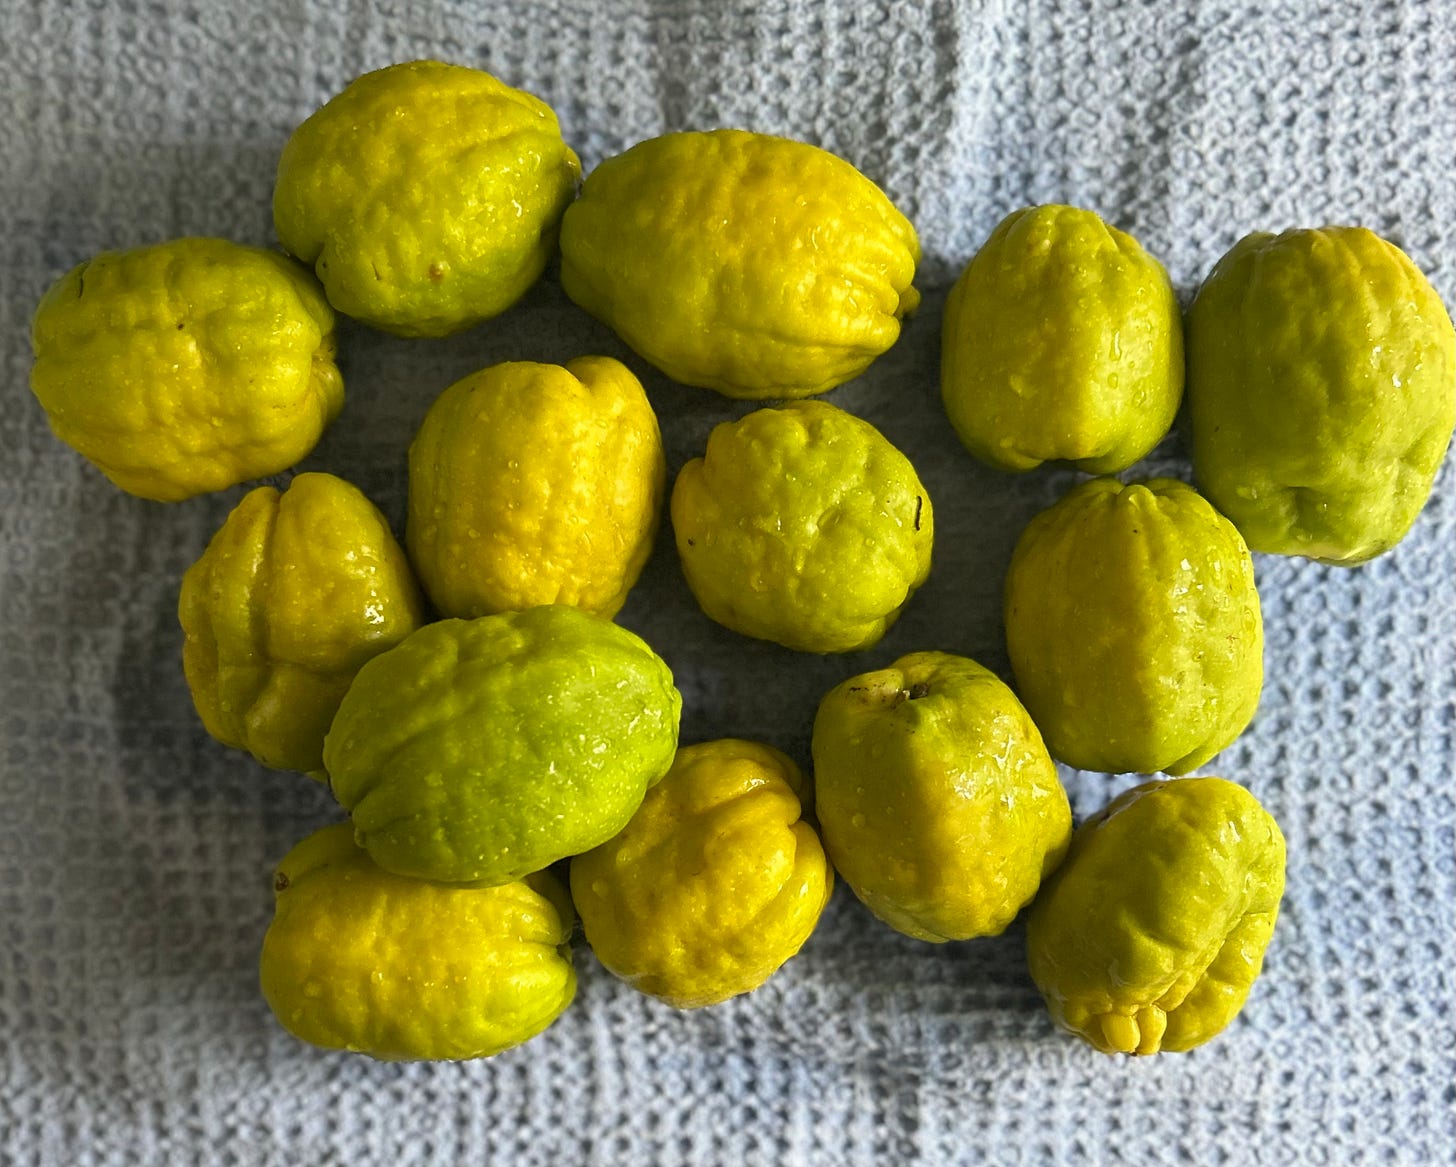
(483, 750)
(1062, 340)
(293, 594)
(186, 367)
(402, 969)
(536, 484)
(714, 884)
(427, 196)
(940, 805)
(1151, 933)
(753, 265)
(803, 525)
(1321, 391)
(1134, 628)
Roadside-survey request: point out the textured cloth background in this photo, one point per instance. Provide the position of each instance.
(135, 852)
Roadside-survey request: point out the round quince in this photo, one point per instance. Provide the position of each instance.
(536, 484)
(188, 366)
(426, 196)
(803, 525)
(1062, 340)
(715, 882)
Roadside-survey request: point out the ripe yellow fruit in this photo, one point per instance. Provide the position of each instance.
(426, 196)
(1150, 934)
(803, 525)
(753, 265)
(1134, 627)
(293, 594)
(1062, 340)
(536, 484)
(715, 882)
(187, 367)
(403, 969)
(1321, 391)
(939, 803)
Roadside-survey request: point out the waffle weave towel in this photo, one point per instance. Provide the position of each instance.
(135, 852)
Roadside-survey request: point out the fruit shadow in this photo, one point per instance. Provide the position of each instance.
(157, 888)
(857, 994)
(117, 194)
(200, 825)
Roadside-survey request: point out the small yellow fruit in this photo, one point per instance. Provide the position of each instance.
(753, 265)
(426, 196)
(536, 484)
(402, 969)
(293, 594)
(939, 803)
(187, 367)
(803, 525)
(1151, 933)
(1062, 340)
(714, 884)
(1134, 628)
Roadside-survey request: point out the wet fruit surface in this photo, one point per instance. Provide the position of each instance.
(1321, 391)
(402, 969)
(484, 750)
(938, 801)
(1150, 934)
(753, 265)
(293, 594)
(536, 484)
(803, 525)
(1134, 627)
(1062, 340)
(714, 884)
(187, 367)
(426, 196)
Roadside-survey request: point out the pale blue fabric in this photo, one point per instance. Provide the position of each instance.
(135, 852)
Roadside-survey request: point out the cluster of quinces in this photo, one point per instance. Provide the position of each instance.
(489, 729)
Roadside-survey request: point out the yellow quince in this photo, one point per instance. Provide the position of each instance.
(1151, 933)
(295, 592)
(715, 882)
(403, 969)
(939, 803)
(1134, 628)
(187, 367)
(803, 525)
(753, 265)
(1321, 391)
(536, 484)
(1062, 340)
(426, 196)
